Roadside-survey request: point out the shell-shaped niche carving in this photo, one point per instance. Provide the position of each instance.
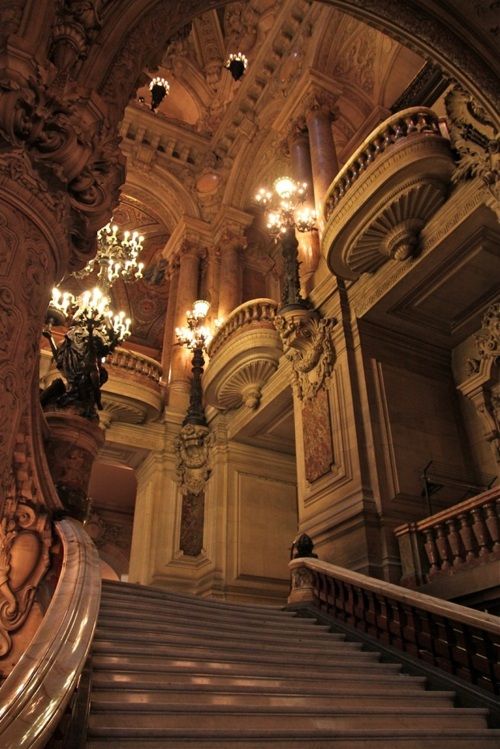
(394, 230)
(244, 387)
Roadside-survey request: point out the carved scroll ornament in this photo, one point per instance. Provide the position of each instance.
(25, 541)
(192, 454)
(307, 344)
(476, 140)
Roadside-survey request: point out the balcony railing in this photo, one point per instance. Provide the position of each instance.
(460, 537)
(455, 639)
(384, 196)
(131, 362)
(244, 354)
(390, 132)
(261, 311)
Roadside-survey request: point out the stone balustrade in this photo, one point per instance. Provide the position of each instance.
(244, 353)
(401, 125)
(455, 539)
(134, 363)
(384, 196)
(262, 311)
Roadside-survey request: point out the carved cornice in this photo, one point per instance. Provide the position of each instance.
(308, 345)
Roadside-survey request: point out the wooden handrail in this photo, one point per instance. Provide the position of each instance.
(36, 692)
(457, 639)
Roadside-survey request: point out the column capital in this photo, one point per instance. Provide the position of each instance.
(319, 100)
(297, 129)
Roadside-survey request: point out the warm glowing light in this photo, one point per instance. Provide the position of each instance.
(90, 309)
(161, 83)
(200, 308)
(305, 219)
(285, 187)
(116, 258)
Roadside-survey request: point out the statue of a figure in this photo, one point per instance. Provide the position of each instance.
(80, 359)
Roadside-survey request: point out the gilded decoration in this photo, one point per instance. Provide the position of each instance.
(192, 455)
(307, 344)
(318, 451)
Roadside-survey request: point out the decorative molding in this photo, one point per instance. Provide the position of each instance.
(308, 345)
(317, 440)
(192, 458)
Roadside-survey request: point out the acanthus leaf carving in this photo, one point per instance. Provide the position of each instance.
(307, 344)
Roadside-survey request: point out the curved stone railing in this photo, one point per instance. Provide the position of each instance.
(452, 540)
(255, 311)
(415, 120)
(460, 641)
(36, 692)
(135, 363)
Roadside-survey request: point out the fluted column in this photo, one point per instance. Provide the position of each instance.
(319, 116)
(230, 286)
(187, 293)
(300, 157)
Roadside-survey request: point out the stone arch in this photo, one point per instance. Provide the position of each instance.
(134, 35)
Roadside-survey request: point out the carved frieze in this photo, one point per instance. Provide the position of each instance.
(307, 344)
(192, 458)
(192, 522)
(318, 448)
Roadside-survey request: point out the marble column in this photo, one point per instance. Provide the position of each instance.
(319, 116)
(187, 293)
(300, 157)
(169, 331)
(230, 286)
(213, 281)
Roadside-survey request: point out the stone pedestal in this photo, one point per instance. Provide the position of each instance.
(71, 450)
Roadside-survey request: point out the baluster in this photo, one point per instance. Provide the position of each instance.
(398, 130)
(454, 542)
(491, 512)
(431, 551)
(410, 125)
(467, 537)
(480, 532)
(442, 546)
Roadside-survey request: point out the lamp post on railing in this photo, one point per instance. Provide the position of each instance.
(196, 336)
(286, 214)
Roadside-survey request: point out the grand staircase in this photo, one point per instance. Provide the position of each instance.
(172, 671)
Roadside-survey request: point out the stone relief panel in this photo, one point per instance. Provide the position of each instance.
(318, 450)
(192, 456)
(192, 521)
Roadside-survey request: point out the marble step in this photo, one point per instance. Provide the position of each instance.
(135, 678)
(218, 650)
(254, 639)
(351, 739)
(184, 720)
(140, 608)
(153, 599)
(108, 699)
(164, 663)
(204, 630)
(139, 614)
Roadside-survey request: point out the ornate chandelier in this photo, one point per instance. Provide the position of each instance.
(195, 335)
(116, 257)
(90, 310)
(236, 63)
(286, 206)
(159, 88)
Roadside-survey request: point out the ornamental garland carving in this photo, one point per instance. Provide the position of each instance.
(307, 344)
(488, 338)
(192, 458)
